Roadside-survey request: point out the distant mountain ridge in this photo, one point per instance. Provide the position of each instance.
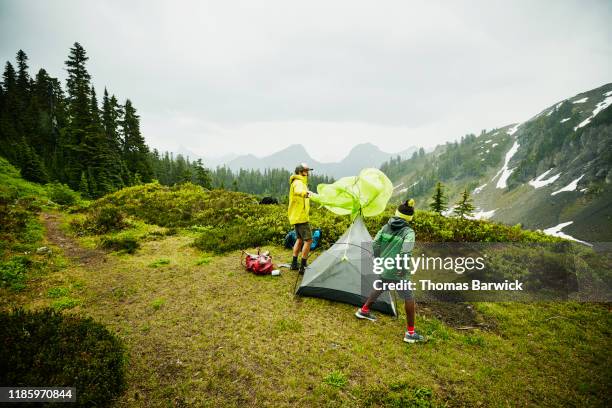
(361, 156)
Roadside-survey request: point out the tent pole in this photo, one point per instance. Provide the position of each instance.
(297, 278)
(394, 295)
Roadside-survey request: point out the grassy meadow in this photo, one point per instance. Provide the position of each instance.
(159, 267)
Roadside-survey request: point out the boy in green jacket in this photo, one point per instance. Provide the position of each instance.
(396, 237)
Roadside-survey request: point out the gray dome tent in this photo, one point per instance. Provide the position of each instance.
(344, 272)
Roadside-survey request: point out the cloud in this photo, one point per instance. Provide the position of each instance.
(227, 76)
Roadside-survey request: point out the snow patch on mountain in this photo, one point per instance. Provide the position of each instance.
(448, 212)
(598, 108)
(539, 181)
(494, 144)
(583, 100)
(550, 112)
(479, 189)
(504, 173)
(513, 130)
(556, 232)
(565, 120)
(403, 190)
(570, 187)
(482, 215)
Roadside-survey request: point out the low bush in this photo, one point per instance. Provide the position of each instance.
(104, 219)
(228, 220)
(159, 262)
(126, 243)
(398, 394)
(14, 219)
(62, 194)
(235, 236)
(336, 379)
(55, 350)
(64, 303)
(13, 273)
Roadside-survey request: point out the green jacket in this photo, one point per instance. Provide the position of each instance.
(299, 203)
(396, 237)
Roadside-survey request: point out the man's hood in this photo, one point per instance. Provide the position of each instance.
(397, 223)
(304, 179)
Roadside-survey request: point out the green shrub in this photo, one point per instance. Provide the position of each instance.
(158, 303)
(62, 194)
(336, 379)
(398, 394)
(57, 292)
(13, 272)
(126, 243)
(474, 340)
(105, 219)
(64, 303)
(159, 262)
(14, 218)
(227, 220)
(236, 236)
(55, 350)
(204, 261)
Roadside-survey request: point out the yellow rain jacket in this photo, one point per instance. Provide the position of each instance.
(299, 204)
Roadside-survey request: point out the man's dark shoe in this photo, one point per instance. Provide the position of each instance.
(294, 266)
(303, 266)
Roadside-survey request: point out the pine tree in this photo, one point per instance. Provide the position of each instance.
(84, 185)
(9, 134)
(31, 166)
(135, 151)
(439, 203)
(23, 77)
(202, 175)
(111, 116)
(464, 207)
(79, 111)
(98, 151)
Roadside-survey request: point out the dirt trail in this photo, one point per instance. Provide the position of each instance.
(71, 248)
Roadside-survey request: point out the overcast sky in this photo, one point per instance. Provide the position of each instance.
(255, 76)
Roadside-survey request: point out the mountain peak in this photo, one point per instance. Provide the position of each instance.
(364, 147)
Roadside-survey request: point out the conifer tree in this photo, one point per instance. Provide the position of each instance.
(9, 135)
(464, 207)
(79, 111)
(111, 115)
(135, 151)
(202, 175)
(439, 201)
(23, 77)
(84, 185)
(31, 166)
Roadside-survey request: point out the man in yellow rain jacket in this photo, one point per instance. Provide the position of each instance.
(298, 212)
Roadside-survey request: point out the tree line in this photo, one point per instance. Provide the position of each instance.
(169, 169)
(56, 133)
(63, 134)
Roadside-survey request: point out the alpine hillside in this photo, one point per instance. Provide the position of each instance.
(552, 172)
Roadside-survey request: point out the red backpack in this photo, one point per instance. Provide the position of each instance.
(260, 264)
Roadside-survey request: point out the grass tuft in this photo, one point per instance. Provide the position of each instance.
(336, 379)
